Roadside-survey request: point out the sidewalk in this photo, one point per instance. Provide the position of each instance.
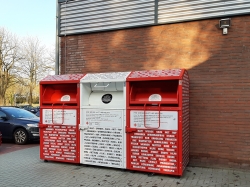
(23, 168)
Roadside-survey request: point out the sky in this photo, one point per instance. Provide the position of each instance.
(36, 18)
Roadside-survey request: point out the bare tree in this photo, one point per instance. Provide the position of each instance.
(50, 65)
(35, 64)
(9, 56)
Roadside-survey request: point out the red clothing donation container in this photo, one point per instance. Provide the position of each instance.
(158, 121)
(59, 118)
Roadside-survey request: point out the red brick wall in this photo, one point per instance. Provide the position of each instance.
(219, 70)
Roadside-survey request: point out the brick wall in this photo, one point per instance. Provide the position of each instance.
(219, 71)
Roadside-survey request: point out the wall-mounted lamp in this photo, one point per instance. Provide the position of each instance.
(224, 24)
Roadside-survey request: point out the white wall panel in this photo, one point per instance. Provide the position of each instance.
(185, 10)
(96, 15)
(83, 16)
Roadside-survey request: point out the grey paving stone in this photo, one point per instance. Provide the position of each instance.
(23, 168)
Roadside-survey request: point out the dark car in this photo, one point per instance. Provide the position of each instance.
(38, 114)
(18, 124)
(29, 108)
(0, 138)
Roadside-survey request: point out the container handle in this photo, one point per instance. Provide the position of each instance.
(53, 115)
(159, 124)
(130, 94)
(101, 86)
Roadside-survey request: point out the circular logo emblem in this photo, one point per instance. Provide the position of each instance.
(106, 98)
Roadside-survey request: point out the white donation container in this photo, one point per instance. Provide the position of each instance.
(103, 120)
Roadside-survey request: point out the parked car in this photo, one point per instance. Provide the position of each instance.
(18, 124)
(29, 108)
(0, 138)
(38, 114)
(37, 108)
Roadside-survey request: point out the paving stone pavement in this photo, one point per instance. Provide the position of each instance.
(23, 168)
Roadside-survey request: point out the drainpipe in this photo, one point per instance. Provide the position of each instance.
(57, 63)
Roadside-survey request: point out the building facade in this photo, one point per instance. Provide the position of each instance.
(110, 36)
